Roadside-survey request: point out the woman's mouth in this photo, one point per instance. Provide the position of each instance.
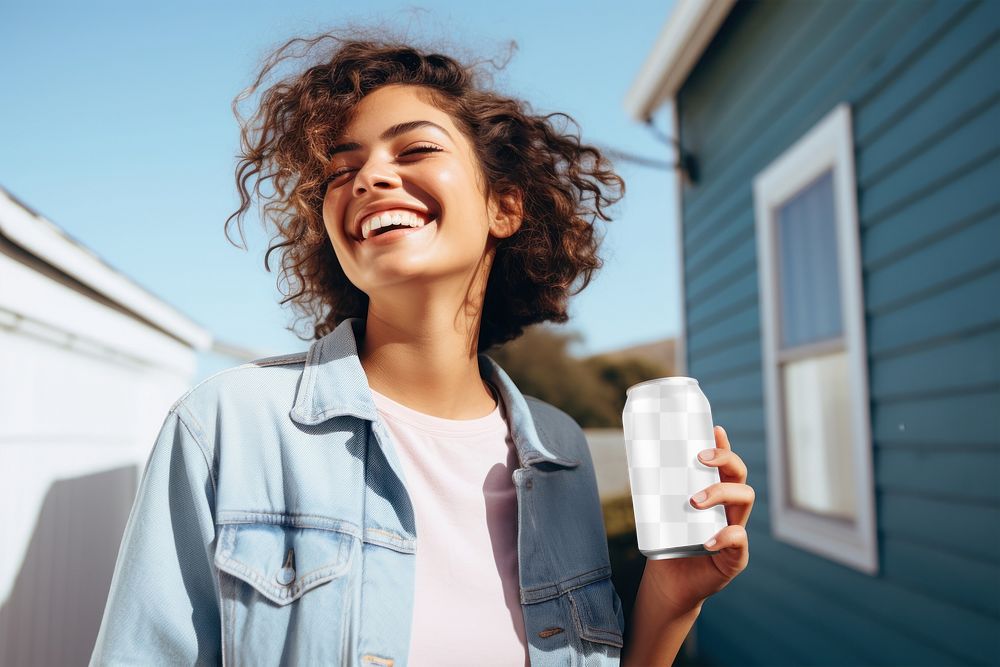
(394, 235)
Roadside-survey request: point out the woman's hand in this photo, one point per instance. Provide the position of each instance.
(684, 583)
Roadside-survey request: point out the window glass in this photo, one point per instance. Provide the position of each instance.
(818, 437)
(808, 278)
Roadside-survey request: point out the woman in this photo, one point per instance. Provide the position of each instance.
(423, 220)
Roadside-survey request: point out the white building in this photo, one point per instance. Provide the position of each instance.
(90, 363)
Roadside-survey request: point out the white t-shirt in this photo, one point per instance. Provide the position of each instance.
(466, 606)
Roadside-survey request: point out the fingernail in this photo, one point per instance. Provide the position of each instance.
(700, 496)
(710, 543)
(708, 454)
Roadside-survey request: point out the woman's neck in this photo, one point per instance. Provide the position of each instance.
(436, 373)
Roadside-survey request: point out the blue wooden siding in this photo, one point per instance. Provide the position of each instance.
(922, 79)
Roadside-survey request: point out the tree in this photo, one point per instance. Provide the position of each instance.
(592, 391)
(618, 374)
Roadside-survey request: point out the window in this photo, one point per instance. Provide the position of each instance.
(820, 481)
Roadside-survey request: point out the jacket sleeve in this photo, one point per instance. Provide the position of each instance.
(588, 465)
(163, 605)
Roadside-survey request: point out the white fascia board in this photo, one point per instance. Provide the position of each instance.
(45, 240)
(690, 27)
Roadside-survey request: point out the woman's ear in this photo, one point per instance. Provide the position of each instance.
(509, 215)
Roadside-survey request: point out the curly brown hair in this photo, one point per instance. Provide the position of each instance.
(557, 179)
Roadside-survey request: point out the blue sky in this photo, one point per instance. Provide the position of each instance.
(117, 127)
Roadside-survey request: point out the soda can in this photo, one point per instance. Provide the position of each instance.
(667, 421)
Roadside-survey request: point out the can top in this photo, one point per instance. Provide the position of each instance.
(673, 380)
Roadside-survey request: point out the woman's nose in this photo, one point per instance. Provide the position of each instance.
(375, 175)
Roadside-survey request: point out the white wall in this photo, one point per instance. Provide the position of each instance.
(84, 389)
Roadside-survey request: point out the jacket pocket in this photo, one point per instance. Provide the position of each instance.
(597, 612)
(284, 560)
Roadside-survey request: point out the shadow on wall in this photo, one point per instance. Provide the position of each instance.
(55, 607)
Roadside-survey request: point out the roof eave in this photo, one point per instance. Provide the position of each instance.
(685, 36)
(43, 239)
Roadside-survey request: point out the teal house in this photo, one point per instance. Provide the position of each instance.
(838, 239)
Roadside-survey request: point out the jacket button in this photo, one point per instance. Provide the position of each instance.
(286, 575)
(527, 484)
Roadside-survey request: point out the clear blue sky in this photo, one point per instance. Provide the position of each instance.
(117, 127)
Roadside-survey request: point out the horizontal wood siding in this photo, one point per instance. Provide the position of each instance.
(921, 78)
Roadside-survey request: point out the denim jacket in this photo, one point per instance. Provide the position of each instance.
(272, 525)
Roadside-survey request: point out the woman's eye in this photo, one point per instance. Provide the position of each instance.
(422, 149)
(417, 149)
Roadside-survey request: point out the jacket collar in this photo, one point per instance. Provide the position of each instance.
(334, 383)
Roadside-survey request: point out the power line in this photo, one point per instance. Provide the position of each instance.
(638, 159)
(685, 161)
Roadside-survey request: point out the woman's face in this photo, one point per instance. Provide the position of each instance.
(427, 168)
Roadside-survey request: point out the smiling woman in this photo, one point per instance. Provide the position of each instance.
(298, 140)
(389, 497)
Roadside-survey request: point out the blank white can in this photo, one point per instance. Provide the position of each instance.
(667, 422)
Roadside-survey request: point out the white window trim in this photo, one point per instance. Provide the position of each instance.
(829, 144)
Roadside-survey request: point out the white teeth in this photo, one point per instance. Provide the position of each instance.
(397, 217)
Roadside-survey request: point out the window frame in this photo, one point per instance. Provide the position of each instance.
(828, 145)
